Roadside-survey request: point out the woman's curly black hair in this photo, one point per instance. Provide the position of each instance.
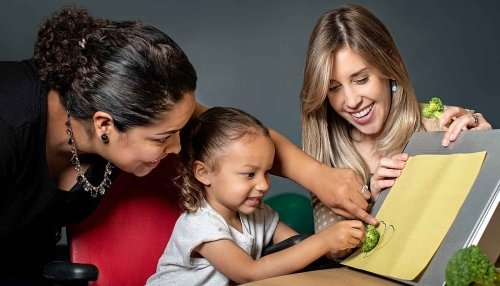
(128, 69)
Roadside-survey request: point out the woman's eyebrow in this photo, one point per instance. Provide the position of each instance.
(354, 74)
(168, 132)
(359, 72)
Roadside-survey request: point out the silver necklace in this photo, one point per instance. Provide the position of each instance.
(87, 186)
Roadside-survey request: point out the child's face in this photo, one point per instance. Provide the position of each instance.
(242, 175)
(359, 93)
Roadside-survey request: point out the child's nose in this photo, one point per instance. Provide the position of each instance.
(263, 185)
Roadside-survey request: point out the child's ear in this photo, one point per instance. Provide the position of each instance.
(201, 172)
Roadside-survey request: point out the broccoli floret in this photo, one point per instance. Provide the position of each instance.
(433, 109)
(471, 266)
(371, 238)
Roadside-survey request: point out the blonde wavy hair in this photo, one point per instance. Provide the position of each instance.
(203, 139)
(326, 136)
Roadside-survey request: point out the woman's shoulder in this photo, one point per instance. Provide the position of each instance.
(432, 124)
(14, 73)
(23, 96)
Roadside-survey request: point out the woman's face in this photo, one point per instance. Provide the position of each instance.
(140, 149)
(359, 93)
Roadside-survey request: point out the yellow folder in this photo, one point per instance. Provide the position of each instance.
(418, 212)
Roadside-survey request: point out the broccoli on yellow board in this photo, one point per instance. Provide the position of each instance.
(371, 238)
(433, 109)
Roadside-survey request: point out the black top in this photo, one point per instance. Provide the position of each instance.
(31, 205)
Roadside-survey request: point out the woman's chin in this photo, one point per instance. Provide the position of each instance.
(370, 130)
(141, 171)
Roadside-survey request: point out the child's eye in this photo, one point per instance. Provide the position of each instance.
(249, 175)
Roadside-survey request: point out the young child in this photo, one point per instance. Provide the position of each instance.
(225, 162)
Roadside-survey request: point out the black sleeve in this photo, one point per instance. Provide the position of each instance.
(7, 154)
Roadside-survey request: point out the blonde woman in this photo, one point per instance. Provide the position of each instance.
(358, 106)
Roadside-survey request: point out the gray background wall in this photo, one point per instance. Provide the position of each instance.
(250, 54)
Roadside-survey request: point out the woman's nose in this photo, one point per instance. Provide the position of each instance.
(175, 145)
(352, 98)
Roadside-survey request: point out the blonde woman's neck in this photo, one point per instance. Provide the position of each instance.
(366, 145)
(366, 149)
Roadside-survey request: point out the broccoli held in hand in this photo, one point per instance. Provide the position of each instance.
(470, 266)
(433, 109)
(371, 238)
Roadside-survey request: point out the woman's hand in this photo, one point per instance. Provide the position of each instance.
(385, 175)
(461, 119)
(340, 190)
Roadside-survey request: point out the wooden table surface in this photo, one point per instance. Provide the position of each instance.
(336, 276)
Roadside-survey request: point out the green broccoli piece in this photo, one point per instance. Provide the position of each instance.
(433, 109)
(371, 238)
(471, 266)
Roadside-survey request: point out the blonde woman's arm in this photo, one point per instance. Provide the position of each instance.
(337, 188)
(388, 170)
(455, 119)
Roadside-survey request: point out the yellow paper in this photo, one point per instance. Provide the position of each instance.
(418, 212)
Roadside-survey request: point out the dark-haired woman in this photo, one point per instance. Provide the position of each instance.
(101, 96)
(97, 97)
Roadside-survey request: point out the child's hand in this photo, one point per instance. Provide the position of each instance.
(387, 171)
(343, 236)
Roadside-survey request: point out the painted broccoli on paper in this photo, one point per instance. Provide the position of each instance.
(470, 266)
(371, 239)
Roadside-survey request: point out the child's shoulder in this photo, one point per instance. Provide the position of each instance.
(202, 225)
(204, 215)
(264, 213)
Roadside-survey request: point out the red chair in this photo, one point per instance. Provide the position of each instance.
(128, 232)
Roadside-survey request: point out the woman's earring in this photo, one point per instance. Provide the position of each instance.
(394, 86)
(104, 138)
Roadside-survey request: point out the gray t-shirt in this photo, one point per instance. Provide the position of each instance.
(177, 267)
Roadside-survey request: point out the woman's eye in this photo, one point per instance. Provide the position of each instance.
(333, 88)
(163, 140)
(362, 81)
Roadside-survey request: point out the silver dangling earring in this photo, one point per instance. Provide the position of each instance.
(105, 138)
(394, 86)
